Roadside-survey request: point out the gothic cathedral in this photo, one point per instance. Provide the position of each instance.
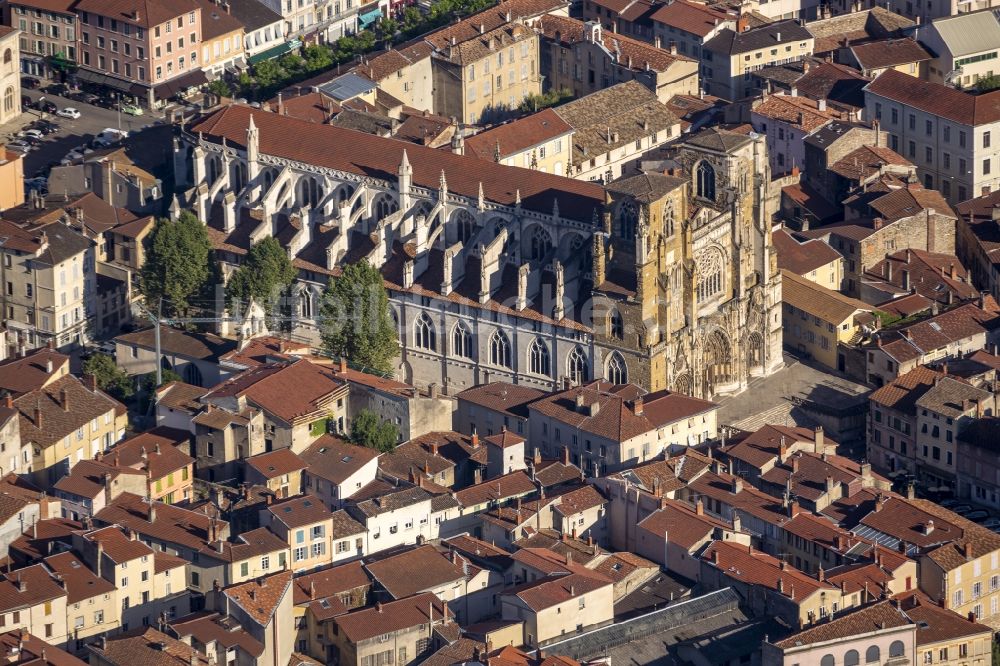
(687, 292)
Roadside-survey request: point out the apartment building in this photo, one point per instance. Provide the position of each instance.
(34, 601)
(817, 320)
(398, 632)
(730, 58)
(948, 134)
(305, 524)
(688, 25)
(159, 454)
(880, 633)
(65, 422)
(146, 51)
(613, 129)
(787, 121)
(263, 608)
(280, 471)
(892, 421)
(336, 469)
(49, 283)
(541, 141)
(579, 419)
(48, 35)
(263, 29)
(92, 484)
(585, 58)
(965, 48)
(144, 645)
(222, 39)
(483, 72)
(812, 259)
(559, 604)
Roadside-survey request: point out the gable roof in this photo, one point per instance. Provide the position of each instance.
(968, 33)
(50, 413)
(416, 570)
(802, 257)
(376, 157)
(693, 17)
(889, 53)
(335, 459)
(937, 99)
(877, 617)
(518, 135)
(772, 34)
(260, 598)
(815, 299)
(393, 616)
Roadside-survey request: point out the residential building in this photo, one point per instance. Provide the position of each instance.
(398, 515)
(49, 283)
(301, 401)
(48, 35)
(904, 55)
(818, 320)
(936, 276)
(559, 604)
(450, 459)
(33, 600)
(217, 637)
(11, 173)
(305, 524)
(487, 408)
(613, 129)
(584, 58)
(795, 597)
(114, 177)
(222, 38)
(965, 48)
(336, 470)
(401, 630)
(731, 56)
(607, 427)
(144, 645)
(541, 141)
(264, 29)
(689, 25)
(263, 607)
(946, 637)
(177, 404)
(946, 132)
(194, 356)
(977, 471)
(65, 422)
(892, 421)
(160, 454)
(149, 52)
(30, 649)
(786, 121)
(92, 484)
(881, 632)
(926, 14)
(279, 470)
(343, 588)
(673, 535)
(17, 454)
(811, 259)
(964, 328)
(481, 73)
(844, 156)
(405, 72)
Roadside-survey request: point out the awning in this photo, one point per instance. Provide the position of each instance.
(369, 17)
(90, 77)
(118, 84)
(274, 51)
(174, 86)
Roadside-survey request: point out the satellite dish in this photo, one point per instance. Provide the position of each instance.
(754, 135)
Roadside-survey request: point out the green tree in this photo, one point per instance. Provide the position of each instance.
(318, 57)
(386, 28)
(292, 63)
(412, 20)
(148, 380)
(176, 266)
(988, 83)
(269, 73)
(357, 324)
(368, 429)
(263, 277)
(109, 376)
(220, 88)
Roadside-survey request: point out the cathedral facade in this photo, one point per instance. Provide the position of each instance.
(500, 273)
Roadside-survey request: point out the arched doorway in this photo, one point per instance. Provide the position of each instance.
(718, 360)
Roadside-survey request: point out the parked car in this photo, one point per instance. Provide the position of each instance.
(33, 133)
(56, 89)
(68, 112)
(45, 126)
(46, 106)
(25, 102)
(131, 109)
(20, 146)
(962, 509)
(977, 516)
(30, 82)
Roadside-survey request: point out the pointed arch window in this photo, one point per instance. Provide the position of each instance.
(576, 365)
(541, 243)
(617, 371)
(616, 325)
(538, 358)
(461, 341)
(500, 349)
(628, 218)
(705, 176)
(424, 335)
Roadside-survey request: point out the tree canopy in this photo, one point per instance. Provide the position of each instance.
(368, 429)
(109, 376)
(176, 266)
(263, 277)
(357, 324)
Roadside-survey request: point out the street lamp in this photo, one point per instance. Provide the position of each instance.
(41, 108)
(119, 107)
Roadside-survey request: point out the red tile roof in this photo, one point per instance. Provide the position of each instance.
(145, 13)
(805, 257)
(393, 616)
(289, 391)
(801, 113)
(889, 53)
(420, 569)
(518, 135)
(260, 598)
(276, 463)
(376, 157)
(557, 589)
(155, 451)
(498, 489)
(81, 582)
(753, 567)
(693, 17)
(681, 524)
(937, 99)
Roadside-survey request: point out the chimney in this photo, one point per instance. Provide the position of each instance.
(928, 527)
(820, 574)
(90, 381)
(64, 399)
(737, 485)
(152, 512)
(38, 417)
(782, 450)
(699, 507)
(637, 406)
(343, 364)
(565, 455)
(820, 440)
(793, 508)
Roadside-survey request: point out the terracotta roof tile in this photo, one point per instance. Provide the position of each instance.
(682, 524)
(207, 627)
(889, 53)
(330, 582)
(416, 570)
(289, 391)
(693, 17)
(393, 616)
(879, 616)
(937, 99)
(276, 463)
(498, 489)
(518, 135)
(299, 511)
(556, 589)
(334, 459)
(805, 257)
(260, 598)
